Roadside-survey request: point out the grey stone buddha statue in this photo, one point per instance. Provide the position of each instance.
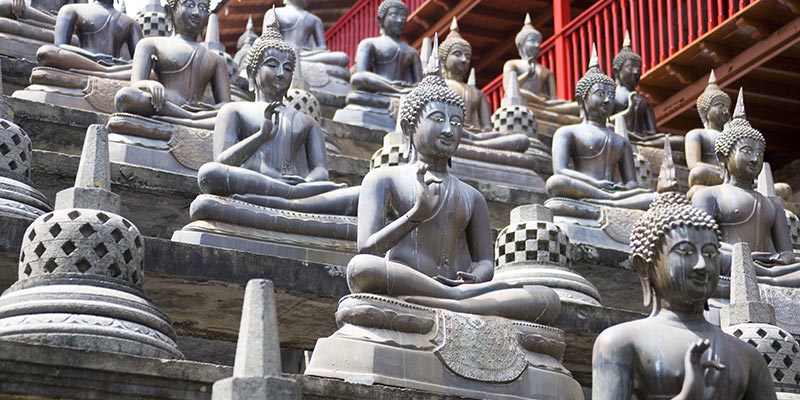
(320, 70)
(745, 215)
(640, 118)
(165, 123)
(714, 106)
(675, 252)
(426, 254)
(537, 84)
(89, 75)
(385, 68)
(454, 56)
(596, 152)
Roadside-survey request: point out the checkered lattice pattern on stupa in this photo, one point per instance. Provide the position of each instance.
(514, 119)
(644, 176)
(15, 149)
(82, 241)
(305, 102)
(388, 156)
(154, 23)
(778, 347)
(533, 241)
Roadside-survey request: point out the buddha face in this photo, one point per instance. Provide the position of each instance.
(190, 16)
(718, 114)
(530, 47)
(745, 159)
(629, 73)
(457, 62)
(438, 131)
(598, 103)
(686, 269)
(394, 23)
(274, 74)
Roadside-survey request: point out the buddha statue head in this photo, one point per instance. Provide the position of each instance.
(528, 40)
(674, 250)
(271, 63)
(714, 105)
(392, 16)
(431, 115)
(740, 147)
(188, 17)
(454, 54)
(595, 92)
(627, 65)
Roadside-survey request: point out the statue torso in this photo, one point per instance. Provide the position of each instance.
(101, 30)
(438, 246)
(184, 68)
(297, 26)
(744, 216)
(537, 79)
(596, 151)
(392, 59)
(659, 361)
(472, 97)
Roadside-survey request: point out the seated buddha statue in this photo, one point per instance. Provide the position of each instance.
(85, 76)
(597, 153)
(713, 105)
(675, 250)
(454, 56)
(183, 70)
(743, 214)
(537, 84)
(243, 45)
(384, 69)
(640, 118)
(320, 69)
(264, 152)
(27, 25)
(423, 278)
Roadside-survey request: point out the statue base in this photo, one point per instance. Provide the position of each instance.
(511, 176)
(226, 223)
(181, 151)
(442, 351)
(20, 199)
(785, 301)
(600, 234)
(367, 110)
(91, 94)
(320, 80)
(18, 46)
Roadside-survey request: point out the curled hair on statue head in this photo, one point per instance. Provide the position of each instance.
(526, 31)
(736, 129)
(592, 76)
(386, 5)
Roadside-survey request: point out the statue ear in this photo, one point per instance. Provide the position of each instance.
(642, 268)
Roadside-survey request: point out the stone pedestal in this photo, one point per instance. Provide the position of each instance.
(534, 250)
(367, 110)
(70, 89)
(387, 341)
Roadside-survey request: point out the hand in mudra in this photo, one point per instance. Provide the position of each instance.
(426, 195)
(701, 377)
(269, 127)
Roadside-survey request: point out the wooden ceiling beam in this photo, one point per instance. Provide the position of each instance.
(509, 44)
(443, 23)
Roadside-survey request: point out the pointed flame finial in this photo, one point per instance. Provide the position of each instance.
(712, 78)
(433, 60)
(738, 112)
(627, 41)
(594, 62)
(667, 176)
(249, 26)
(454, 25)
(471, 80)
(528, 19)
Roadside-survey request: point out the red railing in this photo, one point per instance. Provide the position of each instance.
(359, 23)
(658, 29)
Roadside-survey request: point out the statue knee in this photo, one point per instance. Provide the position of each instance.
(548, 300)
(364, 274)
(47, 54)
(124, 98)
(555, 184)
(212, 178)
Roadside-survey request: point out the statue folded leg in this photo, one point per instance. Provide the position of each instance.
(58, 57)
(226, 180)
(779, 275)
(134, 101)
(371, 82)
(498, 141)
(335, 202)
(565, 186)
(325, 57)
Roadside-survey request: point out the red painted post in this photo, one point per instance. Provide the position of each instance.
(561, 17)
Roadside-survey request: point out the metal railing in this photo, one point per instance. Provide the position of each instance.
(658, 29)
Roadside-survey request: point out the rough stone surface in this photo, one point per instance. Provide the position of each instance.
(746, 305)
(236, 388)
(258, 353)
(531, 212)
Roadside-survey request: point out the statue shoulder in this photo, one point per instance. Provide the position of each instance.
(366, 44)
(621, 338)
(408, 49)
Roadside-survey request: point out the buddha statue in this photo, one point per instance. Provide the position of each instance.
(426, 255)
(640, 118)
(597, 153)
(266, 154)
(714, 106)
(385, 68)
(745, 215)
(537, 84)
(454, 56)
(675, 251)
(27, 25)
(243, 45)
(86, 76)
(183, 70)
